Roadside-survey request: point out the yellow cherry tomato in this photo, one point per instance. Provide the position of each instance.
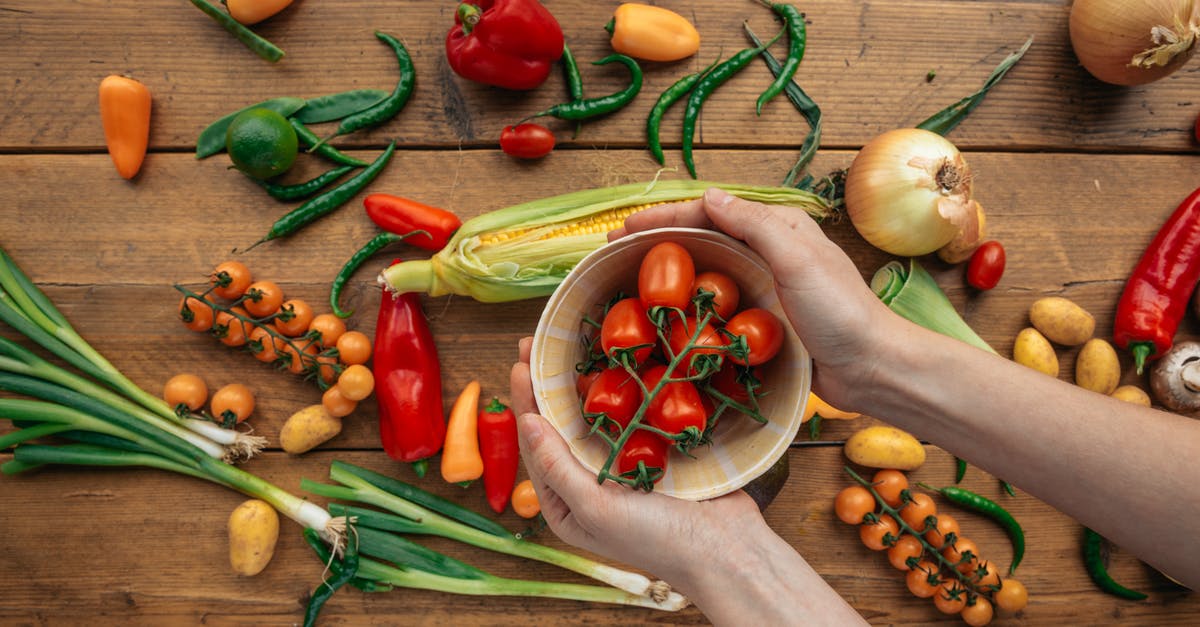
(187, 390)
(353, 348)
(336, 404)
(294, 317)
(233, 403)
(356, 382)
(328, 328)
(525, 500)
(230, 280)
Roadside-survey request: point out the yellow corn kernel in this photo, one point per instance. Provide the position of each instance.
(602, 222)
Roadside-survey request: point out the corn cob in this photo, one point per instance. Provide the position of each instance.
(525, 251)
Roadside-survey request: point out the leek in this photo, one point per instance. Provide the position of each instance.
(525, 251)
(916, 296)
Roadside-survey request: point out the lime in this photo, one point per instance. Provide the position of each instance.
(261, 143)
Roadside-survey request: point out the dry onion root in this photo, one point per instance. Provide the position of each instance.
(1127, 42)
(908, 193)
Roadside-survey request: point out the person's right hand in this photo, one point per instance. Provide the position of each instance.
(841, 322)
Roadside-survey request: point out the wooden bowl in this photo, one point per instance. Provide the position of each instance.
(742, 448)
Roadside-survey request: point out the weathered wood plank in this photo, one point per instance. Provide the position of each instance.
(866, 66)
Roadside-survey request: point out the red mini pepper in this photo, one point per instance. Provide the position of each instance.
(408, 382)
(506, 43)
(403, 216)
(1157, 293)
(501, 453)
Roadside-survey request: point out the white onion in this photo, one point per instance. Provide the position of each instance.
(908, 192)
(1133, 42)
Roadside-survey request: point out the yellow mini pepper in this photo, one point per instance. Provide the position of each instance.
(817, 407)
(461, 460)
(652, 33)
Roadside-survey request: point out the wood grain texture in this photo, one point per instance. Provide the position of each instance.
(866, 66)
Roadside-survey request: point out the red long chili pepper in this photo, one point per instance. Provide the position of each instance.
(402, 216)
(408, 382)
(498, 446)
(1157, 293)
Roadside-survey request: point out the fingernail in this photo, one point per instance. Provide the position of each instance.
(717, 197)
(531, 428)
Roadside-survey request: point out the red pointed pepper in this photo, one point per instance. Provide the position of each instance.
(501, 453)
(402, 216)
(1156, 295)
(506, 43)
(408, 382)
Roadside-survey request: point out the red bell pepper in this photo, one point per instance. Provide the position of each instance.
(506, 43)
(1156, 295)
(501, 453)
(408, 382)
(403, 216)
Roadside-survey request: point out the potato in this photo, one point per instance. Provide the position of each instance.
(1062, 321)
(885, 447)
(1033, 350)
(1132, 394)
(253, 530)
(1097, 367)
(308, 428)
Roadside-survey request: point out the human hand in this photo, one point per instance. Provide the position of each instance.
(657, 533)
(841, 322)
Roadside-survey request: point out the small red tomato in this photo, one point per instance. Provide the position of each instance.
(615, 394)
(763, 333)
(646, 447)
(724, 290)
(626, 326)
(665, 276)
(677, 405)
(709, 341)
(526, 141)
(986, 265)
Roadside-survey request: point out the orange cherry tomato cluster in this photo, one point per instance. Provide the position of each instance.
(673, 357)
(938, 562)
(230, 405)
(254, 315)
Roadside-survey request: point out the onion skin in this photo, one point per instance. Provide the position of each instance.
(1108, 34)
(908, 192)
(968, 239)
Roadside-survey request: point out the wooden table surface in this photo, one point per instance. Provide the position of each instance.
(1076, 176)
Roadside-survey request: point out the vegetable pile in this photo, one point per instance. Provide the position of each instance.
(664, 365)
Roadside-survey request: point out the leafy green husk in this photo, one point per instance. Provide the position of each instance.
(914, 294)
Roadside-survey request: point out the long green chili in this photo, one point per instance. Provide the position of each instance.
(318, 146)
(669, 97)
(303, 190)
(328, 201)
(387, 108)
(574, 81)
(1093, 560)
(793, 21)
(332, 107)
(345, 572)
(593, 107)
(993, 510)
(212, 138)
(805, 105)
(377, 243)
(249, 38)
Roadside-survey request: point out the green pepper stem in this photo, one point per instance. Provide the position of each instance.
(1141, 352)
(468, 15)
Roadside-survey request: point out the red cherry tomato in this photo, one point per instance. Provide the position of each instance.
(676, 406)
(526, 141)
(986, 266)
(709, 342)
(724, 289)
(615, 394)
(646, 447)
(763, 333)
(726, 381)
(625, 326)
(665, 277)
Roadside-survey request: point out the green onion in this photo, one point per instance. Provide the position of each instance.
(916, 296)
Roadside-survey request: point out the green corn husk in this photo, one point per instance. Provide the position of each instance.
(528, 264)
(916, 296)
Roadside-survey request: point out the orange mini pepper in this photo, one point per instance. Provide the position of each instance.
(461, 459)
(125, 115)
(249, 12)
(816, 406)
(652, 33)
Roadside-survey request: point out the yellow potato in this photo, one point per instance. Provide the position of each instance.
(1062, 321)
(253, 530)
(308, 428)
(1132, 394)
(885, 447)
(1033, 350)
(1097, 367)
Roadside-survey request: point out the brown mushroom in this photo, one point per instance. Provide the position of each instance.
(1175, 379)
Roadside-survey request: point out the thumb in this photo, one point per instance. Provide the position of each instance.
(550, 462)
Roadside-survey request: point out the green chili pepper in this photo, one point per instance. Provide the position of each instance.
(1094, 561)
(993, 510)
(376, 244)
(341, 572)
(574, 81)
(593, 107)
(326, 202)
(803, 104)
(1008, 488)
(337, 106)
(960, 469)
(260, 46)
(814, 427)
(212, 138)
(322, 149)
(669, 97)
(387, 108)
(305, 189)
(793, 21)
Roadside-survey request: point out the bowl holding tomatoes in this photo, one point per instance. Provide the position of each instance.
(740, 448)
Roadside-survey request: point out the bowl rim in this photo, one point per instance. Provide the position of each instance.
(781, 444)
